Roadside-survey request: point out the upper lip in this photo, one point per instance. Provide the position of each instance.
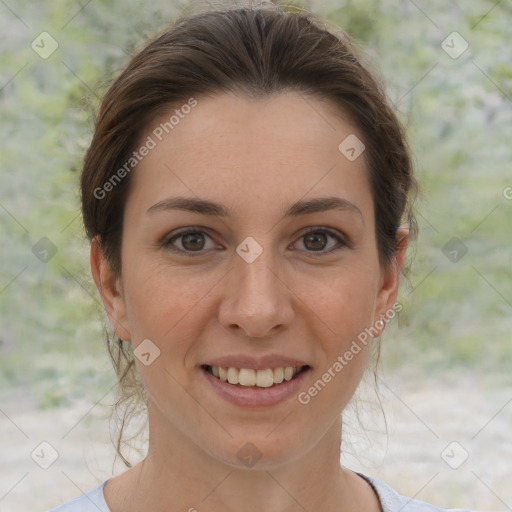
(256, 363)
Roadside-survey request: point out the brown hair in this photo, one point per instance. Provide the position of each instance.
(252, 51)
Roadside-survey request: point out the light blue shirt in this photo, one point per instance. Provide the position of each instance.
(391, 501)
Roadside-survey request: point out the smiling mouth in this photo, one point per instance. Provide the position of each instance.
(255, 379)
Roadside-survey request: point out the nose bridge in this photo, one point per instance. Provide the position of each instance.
(256, 275)
(256, 300)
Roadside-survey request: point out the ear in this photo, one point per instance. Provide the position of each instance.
(110, 289)
(390, 282)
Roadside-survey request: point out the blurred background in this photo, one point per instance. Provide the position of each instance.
(445, 370)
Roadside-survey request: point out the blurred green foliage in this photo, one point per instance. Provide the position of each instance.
(458, 114)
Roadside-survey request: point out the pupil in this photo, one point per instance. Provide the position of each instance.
(316, 236)
(195, 244)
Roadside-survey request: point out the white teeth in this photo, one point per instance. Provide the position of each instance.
(246, 377)
(250, 377)
(233, 375)
(288, 373)
(264, 378)
(278, 375)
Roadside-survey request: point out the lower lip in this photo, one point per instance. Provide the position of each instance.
(251, 397)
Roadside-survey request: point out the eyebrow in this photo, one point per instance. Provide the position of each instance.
(207, 207)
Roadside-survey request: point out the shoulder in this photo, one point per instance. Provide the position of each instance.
(392, 501)
(91, 501)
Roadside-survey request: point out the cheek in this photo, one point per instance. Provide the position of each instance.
(343, 301)
(160, 299)
(343, 310)
(344, 348)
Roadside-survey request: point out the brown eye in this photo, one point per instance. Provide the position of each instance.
(192, 241)
(188, 242)
(317, 240)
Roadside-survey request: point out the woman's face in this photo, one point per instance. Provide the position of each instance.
(269, 283)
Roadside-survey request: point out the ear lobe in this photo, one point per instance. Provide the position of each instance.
(391, 278)
(110, 289)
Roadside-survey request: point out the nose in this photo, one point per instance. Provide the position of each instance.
(256, 297)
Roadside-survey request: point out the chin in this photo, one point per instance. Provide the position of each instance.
(260, 452)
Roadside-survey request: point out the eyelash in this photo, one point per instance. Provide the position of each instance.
(342, 243)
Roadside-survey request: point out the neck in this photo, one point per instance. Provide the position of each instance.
(178, 475)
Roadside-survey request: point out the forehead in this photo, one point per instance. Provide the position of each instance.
(250, 153)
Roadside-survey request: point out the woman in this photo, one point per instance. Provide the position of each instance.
(247, 196)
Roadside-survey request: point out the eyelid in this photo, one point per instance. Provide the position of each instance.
(342, 240)
(166, 241)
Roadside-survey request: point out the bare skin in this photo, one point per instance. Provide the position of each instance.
(255, 157)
